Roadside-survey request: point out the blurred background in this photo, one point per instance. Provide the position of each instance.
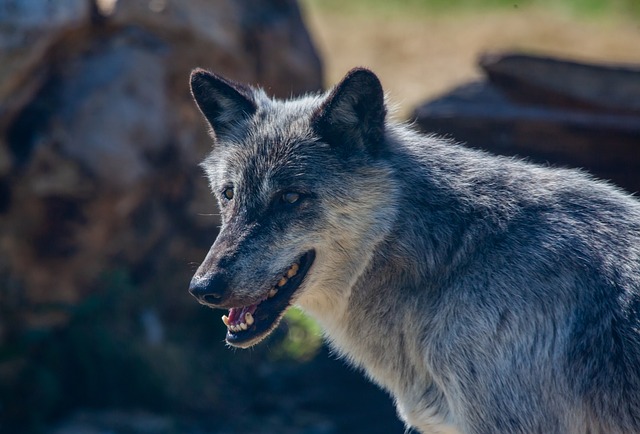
(105, 215)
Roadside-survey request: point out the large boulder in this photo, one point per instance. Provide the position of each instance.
(99, 141)
(28, 30)
(104, 213)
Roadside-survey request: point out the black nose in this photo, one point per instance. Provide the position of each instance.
(211, 289)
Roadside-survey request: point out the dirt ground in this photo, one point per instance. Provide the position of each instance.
(418, 56)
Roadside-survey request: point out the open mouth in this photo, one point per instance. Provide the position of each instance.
(247, 325)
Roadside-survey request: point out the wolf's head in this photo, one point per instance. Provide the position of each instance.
(304, 193)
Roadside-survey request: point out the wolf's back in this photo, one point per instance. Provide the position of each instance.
(537, 270)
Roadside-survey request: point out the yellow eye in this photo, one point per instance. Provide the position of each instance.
(228, 193)
(290, 197)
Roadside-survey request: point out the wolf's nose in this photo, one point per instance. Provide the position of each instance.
(208, 289)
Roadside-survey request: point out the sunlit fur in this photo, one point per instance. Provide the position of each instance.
(486, 294)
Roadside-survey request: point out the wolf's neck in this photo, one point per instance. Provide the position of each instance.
(379, 319)
(379, 329)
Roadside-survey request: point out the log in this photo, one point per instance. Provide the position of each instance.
(482, 116)
(556, 82)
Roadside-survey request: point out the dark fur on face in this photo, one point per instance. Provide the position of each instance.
(265, 154)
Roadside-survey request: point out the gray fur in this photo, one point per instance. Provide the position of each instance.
(486, 294)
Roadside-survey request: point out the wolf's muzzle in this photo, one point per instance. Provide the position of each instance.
(209, 290)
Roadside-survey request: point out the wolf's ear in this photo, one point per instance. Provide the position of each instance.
(223, 103)
(352, 116)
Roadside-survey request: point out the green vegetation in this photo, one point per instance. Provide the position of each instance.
(99, 358)
(578, 7)
(102, 357)
(303, 338)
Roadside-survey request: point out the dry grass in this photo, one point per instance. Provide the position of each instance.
(419, 56)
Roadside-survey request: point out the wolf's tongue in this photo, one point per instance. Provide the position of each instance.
(236, 314)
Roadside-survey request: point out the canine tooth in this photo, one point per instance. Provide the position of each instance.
(248, 318)
(225, 320)
(243, 326)
(273, 292)
(283, 281)
(293, 270)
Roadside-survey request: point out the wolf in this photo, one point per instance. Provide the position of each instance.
(486, 294)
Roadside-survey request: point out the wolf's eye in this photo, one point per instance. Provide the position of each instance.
(228, 193)
(290, 197)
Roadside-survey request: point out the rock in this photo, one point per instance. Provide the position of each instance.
(247, 41)
(113, 110)
(104, 213)
(100, 149)
(28, 30)
(270, 26)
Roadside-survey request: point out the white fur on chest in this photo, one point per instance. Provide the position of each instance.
(408, 394)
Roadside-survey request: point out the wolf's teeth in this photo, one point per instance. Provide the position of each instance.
(282, 281)
(273, 292)
(248, 318)
(293, 270)
(225, 320)
(243, 326)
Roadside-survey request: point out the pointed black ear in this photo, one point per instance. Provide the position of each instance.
(353, 114)
(223, 103)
